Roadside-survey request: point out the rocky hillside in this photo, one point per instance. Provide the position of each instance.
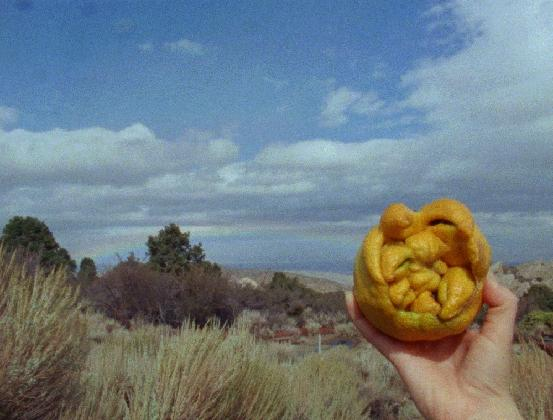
(260, 277)
(520, 278)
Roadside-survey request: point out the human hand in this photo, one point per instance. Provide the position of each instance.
(458, 377)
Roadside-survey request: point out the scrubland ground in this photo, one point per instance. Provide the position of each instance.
(214, 372)
(61, 360)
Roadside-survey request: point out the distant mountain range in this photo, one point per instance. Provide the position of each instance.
(321, 282)
(518, 278)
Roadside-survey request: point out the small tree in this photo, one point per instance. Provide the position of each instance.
(33, 236)
(540, 298)
(170, 251)
(87, 269)
(282, 281)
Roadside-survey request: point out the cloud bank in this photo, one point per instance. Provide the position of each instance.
(343, 102)
(488, 107)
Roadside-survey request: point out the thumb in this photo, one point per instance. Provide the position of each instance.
(384, 344)
(499, 323)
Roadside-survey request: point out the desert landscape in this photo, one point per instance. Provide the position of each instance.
(287, 350)
(187, 187)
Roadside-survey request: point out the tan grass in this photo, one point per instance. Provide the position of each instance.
(532, 382)
(383, 390)
(155, 372)
(213, 373)
(42, 342)
(326, 386)
(347, 330)
(99, 325)
(204, 373)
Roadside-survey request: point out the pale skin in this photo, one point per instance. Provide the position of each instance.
(459, 377)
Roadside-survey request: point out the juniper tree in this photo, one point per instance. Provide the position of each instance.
(170, 251)
(31, 235)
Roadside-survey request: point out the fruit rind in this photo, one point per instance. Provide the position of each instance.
(405, 318)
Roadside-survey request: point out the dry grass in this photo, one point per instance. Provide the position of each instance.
(383, 390)
(532, 384)
(213, 373)
(42, 342)
(206, 373)
(316, 380)
(155, 372)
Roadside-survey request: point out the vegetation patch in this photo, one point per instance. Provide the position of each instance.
(536, 323)
(146, 340)
(43, 343)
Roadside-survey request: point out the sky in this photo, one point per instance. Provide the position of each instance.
(275, 132)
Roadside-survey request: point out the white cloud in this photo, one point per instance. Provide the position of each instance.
(8, 116)
(130, 178)
(489, 106)
(501, 80)
(367, 104)
(317, 154)
(185, 46)
(100, 156)
(343, 101)
(146, 47)
(222, 149)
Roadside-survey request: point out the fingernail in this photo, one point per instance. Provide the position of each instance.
(349, 297)
(349, 306)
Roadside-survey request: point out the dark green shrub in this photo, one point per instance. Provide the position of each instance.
(286, 295)
(87, 270)
(540, 298)
(170, 251)
(282, 281)
(536, 322)
(33, 236)
(296, 308)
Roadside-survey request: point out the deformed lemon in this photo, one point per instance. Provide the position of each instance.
(420, 275)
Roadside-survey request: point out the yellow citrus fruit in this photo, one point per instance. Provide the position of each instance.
(420, 275)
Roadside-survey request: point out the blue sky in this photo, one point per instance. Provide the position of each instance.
(275, 132)
(257, 69)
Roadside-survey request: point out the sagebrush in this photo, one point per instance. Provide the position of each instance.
(58, 360)
(43, 342)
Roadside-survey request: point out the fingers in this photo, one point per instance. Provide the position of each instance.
(499, 323)
(382, 342)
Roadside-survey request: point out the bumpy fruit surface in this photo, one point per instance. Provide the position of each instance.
(420, 275)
